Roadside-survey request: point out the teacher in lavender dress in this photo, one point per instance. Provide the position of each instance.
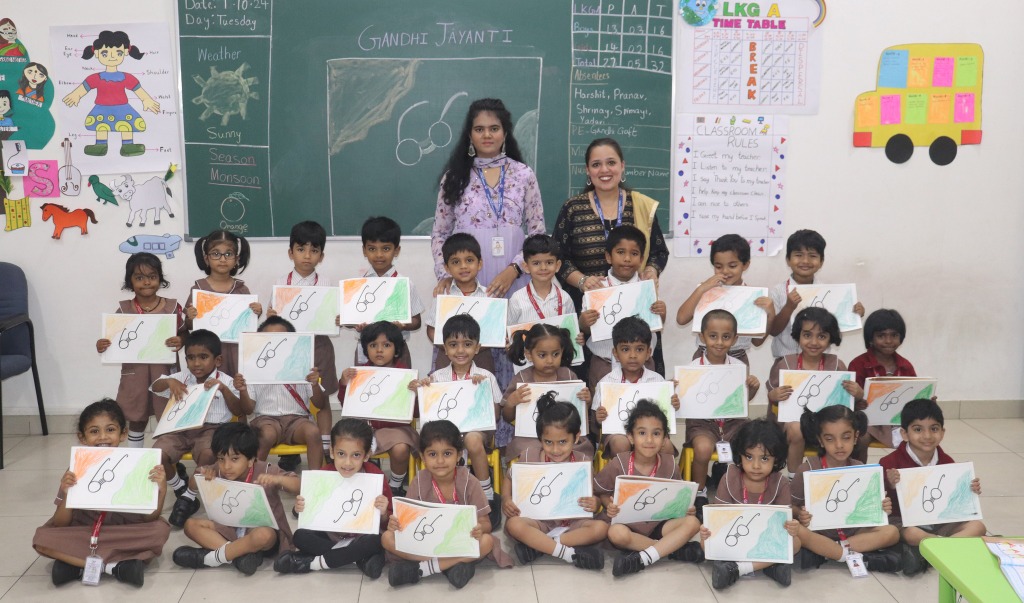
(488, 192)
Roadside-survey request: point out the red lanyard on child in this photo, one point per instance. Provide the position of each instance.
(440, 497)
(455, 376)
(94, 540)
(295, 394)
(629, 467)
(248, 476)
(800, 362)
(139, 310)
(536, 307)
(637, 379)
(760, 497)
(721, 422)
(316, 279)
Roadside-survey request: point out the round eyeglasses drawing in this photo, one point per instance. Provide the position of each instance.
(462, 309)
(174, 410)
(103, 476)
(892, 399)
(611, 315)
(810, 390)
(542, 490)
(352, 505)
(738, 530)
(367, 297)
(424, 529)
(267, 354)
(930, 495)
(127, 337)
(299, 306)
(819, 303)
(708, 388)
(229, 502)
(627, 407)
(372, 389)
(841, 495)
(221, 313)
(409, 151)
(645, 500)
(448, 403)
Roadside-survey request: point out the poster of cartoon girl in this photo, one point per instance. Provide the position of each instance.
(32, 81)
(112, 112)
(11, 48)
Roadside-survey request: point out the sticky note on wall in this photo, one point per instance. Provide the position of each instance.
(967, 71)
(939, 109)
(892, 71)
(916, 111)
(943, 74)
(920, 73)
(867, 112)
(891, 113)
(963, 108)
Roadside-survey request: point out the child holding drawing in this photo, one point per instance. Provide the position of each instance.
(316, 550)
(126, 541)
(648, 541)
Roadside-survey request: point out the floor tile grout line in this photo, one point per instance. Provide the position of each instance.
(982, 434)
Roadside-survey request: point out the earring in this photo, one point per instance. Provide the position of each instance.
(503, 147)
(623, 179)
(472, 150)
(589, 183)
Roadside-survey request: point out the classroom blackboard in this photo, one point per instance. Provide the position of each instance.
(337, 110)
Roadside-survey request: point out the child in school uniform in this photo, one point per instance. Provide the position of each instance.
(574, 540)
(758, 452)
(835, 430)
(306, 244)
(884, 331)
(283, 413)
(463, 261)
(805, 254)
(461, 344)
(202, 359)
(550, 351)
(443, 481)
(315, 550)
(718, 334)
(815, 329)
(221, 255)
(644, 543)
(235, 446)
(144, 276)
(542, 297)
(730, 257)
(922, 429)
(125, 541)
(383, 345)
(624, 251)
(631, 338)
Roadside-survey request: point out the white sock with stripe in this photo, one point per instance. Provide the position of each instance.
(216, 558)
(563, 552)
(430, 567)
(318, 563)
(488, 490)
(396, 480)
(746, 567)
(175, 482)
(136, 439)
(649, 556)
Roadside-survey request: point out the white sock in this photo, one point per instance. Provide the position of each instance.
(108, 569)
(216, 558)
(842, 558)
(746, 567)
(175, 482)
(327, 442)
(430, 567)
(318, 563)
(702, 493)
(396, 480)
(649, 556)
(136, 439)
(563, 552)
(488, 490)
(190, 494)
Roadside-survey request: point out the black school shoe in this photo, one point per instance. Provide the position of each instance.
(782, 573)
(404, 572)
(698, 507)
(912, 560)
(290, 462)
(886, 561)
(179, 468)
(372, 566)
(808, 559)
(526, 554)
(689, 553)
(248, 563)
(627, 563)
(588, 557)
(62, 573)
(130, 571)
(495, 513)
(460, 574)
(724, 574)
(292, 562)
(190, 556)
(183, 509)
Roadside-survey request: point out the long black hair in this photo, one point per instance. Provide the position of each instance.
(112, 39)
(456, 173)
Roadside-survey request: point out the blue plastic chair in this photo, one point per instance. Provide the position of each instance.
(17, 339)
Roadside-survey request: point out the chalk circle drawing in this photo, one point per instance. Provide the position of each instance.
(748, 533)
(225, 93)
(938, 494)
(113, 479)
(551, 490)
(236, 504)
(340, 504)
(435, 530)
(439, 135)
(232, 207)
(642, 498)
(845, 497)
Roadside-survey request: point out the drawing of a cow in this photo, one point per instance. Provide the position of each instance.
(150, 195)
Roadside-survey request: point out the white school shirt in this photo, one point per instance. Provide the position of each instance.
(219, 412)
(415, 309)
(520, 309)
(615, 376)
(931, 463)
(743, 342)
(604, 348)
(447, 374)
(277, 401)
(453, 289)
(783, 344)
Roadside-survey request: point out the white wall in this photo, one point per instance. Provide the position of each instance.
(942, 245)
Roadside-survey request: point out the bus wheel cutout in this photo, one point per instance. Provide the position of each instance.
(942, 150)
(900, 148)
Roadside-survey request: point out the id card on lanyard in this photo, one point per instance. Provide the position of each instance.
(722, 447)
(497, 242)
(94, 563)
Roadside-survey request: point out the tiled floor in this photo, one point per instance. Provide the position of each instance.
(34, 465)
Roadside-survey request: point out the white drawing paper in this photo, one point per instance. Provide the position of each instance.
(642, 498)
(236, 504)
(187, 413)
(490, 313)
(615, 303)
(845, 497)
(380, 393)
(274, 357)
(712, 391)
(886, 396)
(138, 338)
(565, 391)
(551, 490)
(837, 299)
(813, 390)
(113, 479)
(309, 309)
(366, 300)
(620, 399)
(469, 406)
(227, 315)
(435, 530)
(938, 494)
(739, 301)
(748, 533)
(338, 504)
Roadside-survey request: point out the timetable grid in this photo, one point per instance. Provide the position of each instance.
(637, 36)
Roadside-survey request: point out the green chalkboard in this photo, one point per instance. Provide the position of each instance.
(337, 110)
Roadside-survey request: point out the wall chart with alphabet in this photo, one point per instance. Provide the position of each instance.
(338, 110)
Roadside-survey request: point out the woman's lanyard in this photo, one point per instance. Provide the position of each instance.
(440, 497)
(800, 363)
(630, 468)
(316, 279)
(529, 294)
(842, 534)
(501, 192)
(600, 213)
(760, 497)
(721, 422)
